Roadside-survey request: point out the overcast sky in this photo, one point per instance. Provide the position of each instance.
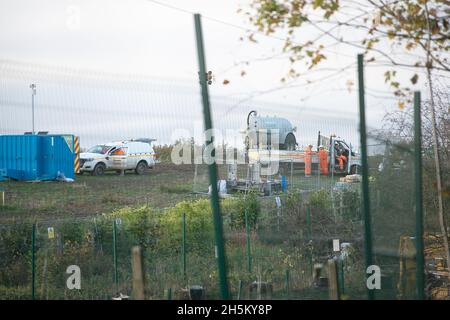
(70, 47)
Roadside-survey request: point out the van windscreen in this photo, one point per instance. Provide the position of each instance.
(101, 149)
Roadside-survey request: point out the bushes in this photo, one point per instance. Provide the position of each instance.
(238, 207)
(15, 244)
(278, 242)
(320, 200)
(163, 152)
(139, 225)
(199, 225)
(352, 201)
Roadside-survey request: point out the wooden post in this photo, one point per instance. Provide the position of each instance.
(333, 286)
(138, 273)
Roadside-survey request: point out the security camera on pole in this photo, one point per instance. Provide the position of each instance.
(33, 93)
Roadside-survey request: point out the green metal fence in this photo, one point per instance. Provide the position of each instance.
(246, 245)
(271, 251)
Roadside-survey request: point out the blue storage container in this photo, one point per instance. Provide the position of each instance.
(36, 157)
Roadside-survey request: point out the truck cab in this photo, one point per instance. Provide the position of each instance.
(353, 164)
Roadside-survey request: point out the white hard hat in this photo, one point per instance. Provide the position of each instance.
(321, 146)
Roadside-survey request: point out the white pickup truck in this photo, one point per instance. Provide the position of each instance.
(137, 155)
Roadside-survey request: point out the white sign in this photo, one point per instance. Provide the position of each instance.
(278, 201)
(336, 246)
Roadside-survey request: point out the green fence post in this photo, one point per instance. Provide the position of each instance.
(116, 274)
(247, 240)
(218, 227)
(169, 294)
(309, 226)
(239, 289)
(286, 283)
(33, 261)
(341, 276)
(365, 170)
(183, 249)
(418, 190)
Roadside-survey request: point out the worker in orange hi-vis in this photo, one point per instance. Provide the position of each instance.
(118, 152)
(339, 156)
(323, 160)
(342, 161)
(308, 160)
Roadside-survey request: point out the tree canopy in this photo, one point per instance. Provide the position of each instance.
(382, 29)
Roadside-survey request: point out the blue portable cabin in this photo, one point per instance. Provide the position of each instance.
(36, 157)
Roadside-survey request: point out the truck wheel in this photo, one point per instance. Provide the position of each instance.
(99, 169)
(141, 168)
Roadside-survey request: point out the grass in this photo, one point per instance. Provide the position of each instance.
(89, 241)
(161, 187)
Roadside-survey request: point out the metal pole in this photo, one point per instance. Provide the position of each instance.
(247, 237)
(218, 228)
(365, 171)
(169, 294)
(418, 190)
(33, 262)
(184, 245)
(116, 274)
(33, 93)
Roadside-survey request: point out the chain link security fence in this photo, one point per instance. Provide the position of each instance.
(268, 255)
(281, 230)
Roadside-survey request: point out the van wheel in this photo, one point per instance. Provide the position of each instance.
(141, 168)
(99, 169)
